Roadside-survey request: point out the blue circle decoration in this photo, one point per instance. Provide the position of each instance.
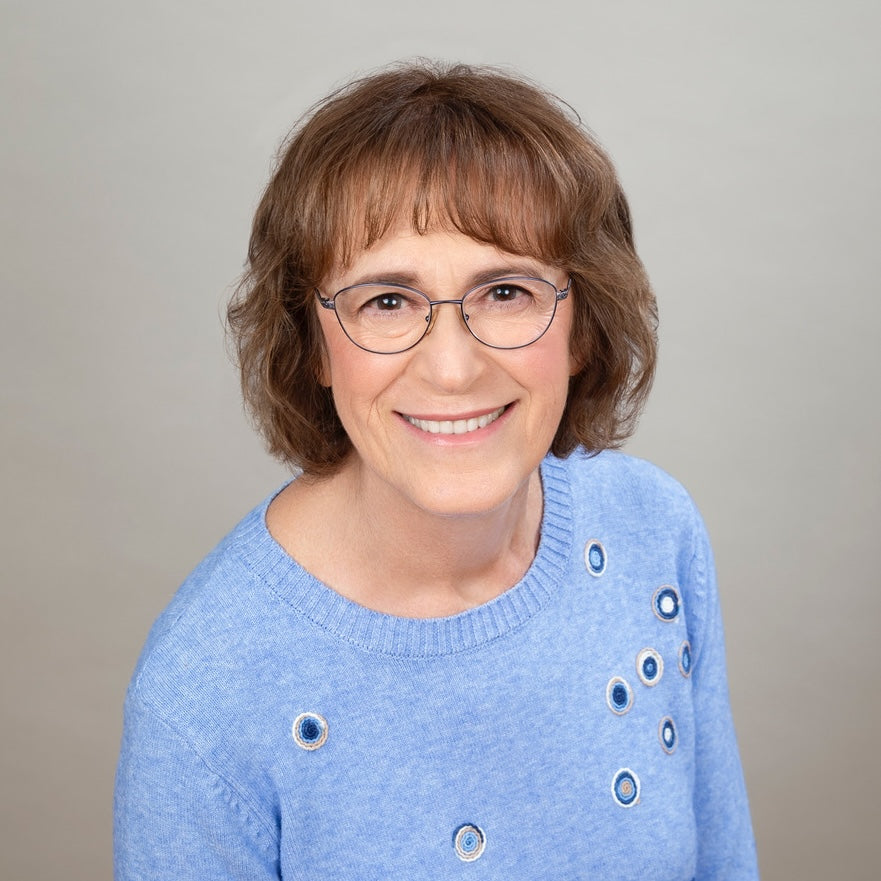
(666, 603)
(595, 557)
(309, 730)
(625, 788)
(649, 667)
(619, 695)
(667, 735)
(469, 842)
(685, 659)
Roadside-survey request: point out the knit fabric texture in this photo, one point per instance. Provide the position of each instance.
(577, 726)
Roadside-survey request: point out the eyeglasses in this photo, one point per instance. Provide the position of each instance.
(505, 313)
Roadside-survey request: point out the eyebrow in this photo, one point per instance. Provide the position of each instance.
(411, 280)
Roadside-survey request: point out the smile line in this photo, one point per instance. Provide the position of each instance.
(454, 426)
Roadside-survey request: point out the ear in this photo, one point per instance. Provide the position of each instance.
(322, 373)
(322, 367)
(577, 355)
(577, 358)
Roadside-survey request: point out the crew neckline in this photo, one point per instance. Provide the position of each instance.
(387, 634)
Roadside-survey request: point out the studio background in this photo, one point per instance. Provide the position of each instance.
(136, 141)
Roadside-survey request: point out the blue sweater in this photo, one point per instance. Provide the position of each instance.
(577, 726)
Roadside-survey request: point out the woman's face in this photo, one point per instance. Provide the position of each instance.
(388, 403)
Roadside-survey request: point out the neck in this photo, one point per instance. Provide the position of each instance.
(394, 557)
(443, 564)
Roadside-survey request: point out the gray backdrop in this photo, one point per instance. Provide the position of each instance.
(136, 139)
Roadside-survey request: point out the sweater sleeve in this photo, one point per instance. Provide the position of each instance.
(175, 818)
(726, 847)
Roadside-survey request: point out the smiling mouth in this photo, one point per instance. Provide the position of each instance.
(455, 426)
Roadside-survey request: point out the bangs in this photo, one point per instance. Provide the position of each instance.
(447, 165)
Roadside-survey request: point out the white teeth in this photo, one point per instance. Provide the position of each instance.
(455, 426)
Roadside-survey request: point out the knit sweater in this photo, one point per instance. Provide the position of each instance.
(577, 726)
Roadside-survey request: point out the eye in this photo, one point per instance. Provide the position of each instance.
(505, 292)
(505, 295)
(374, 301)
(386, 303)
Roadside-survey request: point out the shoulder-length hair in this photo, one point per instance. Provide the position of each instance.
(471, 149)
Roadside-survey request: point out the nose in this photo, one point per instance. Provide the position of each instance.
(450, 356)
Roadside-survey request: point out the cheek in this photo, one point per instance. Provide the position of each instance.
(357, 380)
(557, 364)
(339, 367)
(551, 379)
(547, 380)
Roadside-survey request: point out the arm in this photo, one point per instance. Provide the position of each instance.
(726, 848)
(175, 818)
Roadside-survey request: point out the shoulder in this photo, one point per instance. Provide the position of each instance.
(214, 590)
(643, 519)
(220, 628)
(613, 482)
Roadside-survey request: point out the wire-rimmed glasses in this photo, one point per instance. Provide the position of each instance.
(505, 313)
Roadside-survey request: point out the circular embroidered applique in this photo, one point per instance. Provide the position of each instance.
(469, 842)
(309, 730)
(667, 735)
(619, 695)
(649, 667)
(685, 659)
(666, 603)
(625, 788)
(595, 557)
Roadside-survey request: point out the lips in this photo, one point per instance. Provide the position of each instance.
(454, 426)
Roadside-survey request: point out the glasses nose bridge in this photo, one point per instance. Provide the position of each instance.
(433, 313)
(458, 302)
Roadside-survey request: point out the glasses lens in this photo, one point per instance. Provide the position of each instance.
(382, 318)
(510, 312)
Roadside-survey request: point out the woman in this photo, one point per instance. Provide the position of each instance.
(468, 638)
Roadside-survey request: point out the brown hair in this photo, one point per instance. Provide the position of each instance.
(474, 149)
